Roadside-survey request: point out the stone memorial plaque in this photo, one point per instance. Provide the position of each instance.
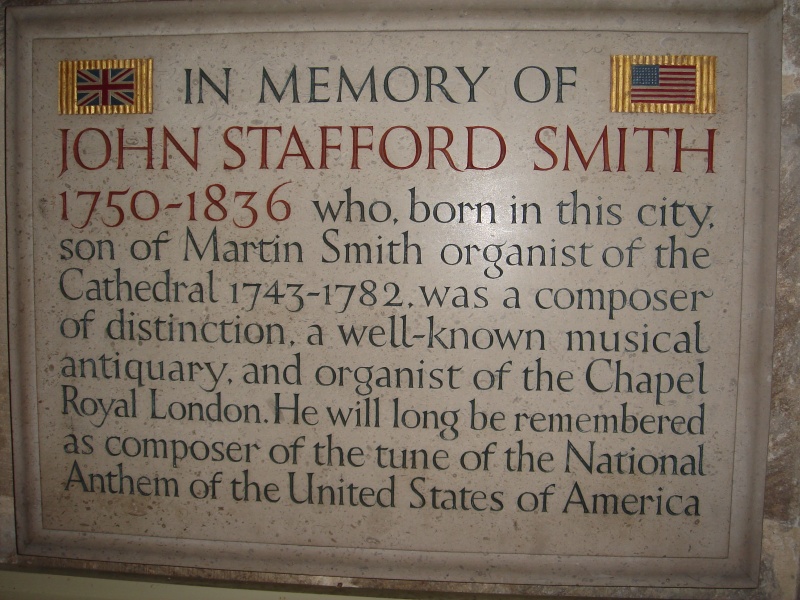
(478, 298)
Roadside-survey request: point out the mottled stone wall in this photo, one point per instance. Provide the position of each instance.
(782, 498)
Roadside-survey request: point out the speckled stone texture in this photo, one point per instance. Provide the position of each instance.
(781, 526)
(782, 498)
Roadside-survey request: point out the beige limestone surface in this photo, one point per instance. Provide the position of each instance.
(441, 533)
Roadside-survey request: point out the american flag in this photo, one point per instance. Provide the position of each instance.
(675, 84)
(105, 87)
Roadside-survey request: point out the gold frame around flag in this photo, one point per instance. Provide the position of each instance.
(143, 86)
(706, 84)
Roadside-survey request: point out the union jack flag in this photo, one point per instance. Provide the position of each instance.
(105, 87)
(114, 86)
